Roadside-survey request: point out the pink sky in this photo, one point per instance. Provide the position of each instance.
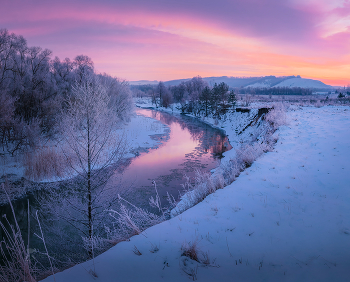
(168, 39)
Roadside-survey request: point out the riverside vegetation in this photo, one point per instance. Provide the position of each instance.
(66, 104)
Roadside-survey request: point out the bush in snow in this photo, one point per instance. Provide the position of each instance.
(204, 184)
(127, 220)
(44, 163)
(277, 116)
(247, 154)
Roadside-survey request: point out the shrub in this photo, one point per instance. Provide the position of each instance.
(277, 116)
(247, 154)
(204, 184)
(130, 221)
(190, 250)
(44, 163)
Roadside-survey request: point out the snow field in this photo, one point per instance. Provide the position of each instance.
(138, 132)
(285, 218)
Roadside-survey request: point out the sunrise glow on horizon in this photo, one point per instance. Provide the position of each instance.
(165, 40)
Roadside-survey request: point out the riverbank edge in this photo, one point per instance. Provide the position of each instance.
(250, 237)
(233, 163)
(21, 186)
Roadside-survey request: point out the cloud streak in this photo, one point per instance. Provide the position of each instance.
(157, 39)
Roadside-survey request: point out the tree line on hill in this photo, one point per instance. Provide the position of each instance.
(34, 87)
(276, 91)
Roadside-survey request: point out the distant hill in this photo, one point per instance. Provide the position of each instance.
(302, 82)
(254, 82)
(143, 82)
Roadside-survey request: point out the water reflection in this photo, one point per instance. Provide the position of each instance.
(191, 145)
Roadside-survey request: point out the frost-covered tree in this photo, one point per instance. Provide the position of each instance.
(34, 82)
(179, 92)
(38, 86)
(219, 99)
(196, 84)
(204, 97)
(90, 145)
(63, 76)
(167, 99)
(120, 95)
(232, 100)
(160, 91)
(6, 118)
(82, 67)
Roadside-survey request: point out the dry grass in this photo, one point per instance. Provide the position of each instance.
(16, 264)
(44, 163)
(190, 250)
(136, 251)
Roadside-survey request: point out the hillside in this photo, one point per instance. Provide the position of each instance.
(255, 82)
(302, 82)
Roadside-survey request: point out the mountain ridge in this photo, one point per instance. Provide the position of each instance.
(253, 82)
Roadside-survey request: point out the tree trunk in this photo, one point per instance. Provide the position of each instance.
(89, 192)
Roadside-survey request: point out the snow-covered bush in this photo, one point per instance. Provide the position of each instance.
(247, 154)
(204, 184)
(134, 220)
(318, 104)
(230, 171)
(277, 116)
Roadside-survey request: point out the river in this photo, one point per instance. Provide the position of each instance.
(189, 145)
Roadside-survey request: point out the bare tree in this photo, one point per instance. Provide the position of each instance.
(161, 89)
(205, 98)
(119, 93)
(82, 66)
(7, 121)
(90, 146)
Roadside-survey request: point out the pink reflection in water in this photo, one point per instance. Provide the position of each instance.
(190, 146)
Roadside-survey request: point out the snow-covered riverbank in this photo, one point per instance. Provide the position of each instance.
(286, 218)
(141, 132)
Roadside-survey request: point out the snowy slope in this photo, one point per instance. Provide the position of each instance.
(234, 81)
(302, 82)
(143, 82)
(255, 82)
(286, 218)
(259, 85)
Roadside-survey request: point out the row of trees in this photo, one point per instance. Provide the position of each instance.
(276, 91)
(68, 102)
(194, 96)
(33, 88)
(343, 92)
